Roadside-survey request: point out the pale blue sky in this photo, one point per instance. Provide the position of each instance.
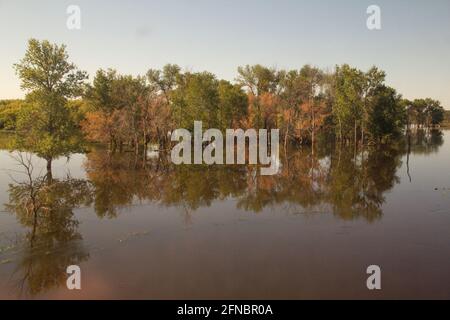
(219, 35)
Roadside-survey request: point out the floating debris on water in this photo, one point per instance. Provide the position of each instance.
(133, 234)
(5, 261)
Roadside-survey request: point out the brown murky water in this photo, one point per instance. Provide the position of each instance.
(162, 231)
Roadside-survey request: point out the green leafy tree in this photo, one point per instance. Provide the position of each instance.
(196, 99)
(312, 79)
(259, 79)
(348, 104)
(373, 80)
(9, 109)
(100, 94)
(387, 117)
(165, 80)
(434, 112)
(419, 107)
(232, 105)
(47, 127)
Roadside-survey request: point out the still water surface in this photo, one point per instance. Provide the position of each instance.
(162, 231)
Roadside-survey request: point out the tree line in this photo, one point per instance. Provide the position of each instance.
(126, 112)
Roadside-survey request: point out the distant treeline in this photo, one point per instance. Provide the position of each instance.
(446, 122)
(123, 111)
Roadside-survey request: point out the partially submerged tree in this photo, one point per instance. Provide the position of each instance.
(125, 111)
(386, 116)
(46, 127)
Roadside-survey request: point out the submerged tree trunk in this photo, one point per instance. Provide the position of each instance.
(49, 170)
(313, 126)
(362, 133)
(408, 154)
(286, 136)
(340, 131)
(145, 148)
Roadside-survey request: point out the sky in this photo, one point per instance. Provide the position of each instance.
(132, 36)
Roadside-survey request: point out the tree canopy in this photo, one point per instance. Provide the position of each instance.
(127, 111)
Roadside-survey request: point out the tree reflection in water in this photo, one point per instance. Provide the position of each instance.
(330, 180)
(45, 208)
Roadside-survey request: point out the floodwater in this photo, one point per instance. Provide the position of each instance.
(157, 231)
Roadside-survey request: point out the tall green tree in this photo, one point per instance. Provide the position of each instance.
(387, 116)
(196, 99)
(47, 127)
(348, 104)
(373, 80)
(434, 112)
(102, 95)
(165, 80)
(232, 105)
(312, 79)
(259, 79)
